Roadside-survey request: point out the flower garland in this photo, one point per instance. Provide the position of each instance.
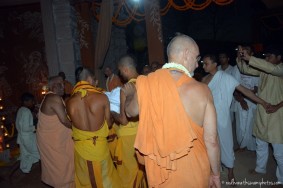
(176, 66)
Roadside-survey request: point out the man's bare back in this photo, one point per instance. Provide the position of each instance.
(195, 98)
(90, 112)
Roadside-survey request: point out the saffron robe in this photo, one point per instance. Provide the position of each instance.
(26, 139)
(56, 149)
(172, 144)
(93, 163)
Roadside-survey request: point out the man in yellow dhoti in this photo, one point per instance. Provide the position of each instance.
(113, 81)
(126, 162)
(89, 111)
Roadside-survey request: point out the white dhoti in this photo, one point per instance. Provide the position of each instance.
(244, 126)
(222, 87)
(245, 119)
(262, 158)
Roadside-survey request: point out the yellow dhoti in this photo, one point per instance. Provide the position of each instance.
(112, 140)
(93, 163)
(125, 159)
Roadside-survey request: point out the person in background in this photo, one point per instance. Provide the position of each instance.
(225, 66)
(68, 87)
(112, 80)
(54, 138)
(26, 134)
(146, 70)
(245, 110)
(268, 127)
(155, 65)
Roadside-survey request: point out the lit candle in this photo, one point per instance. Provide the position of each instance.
(2, 126)
(7, 145)
(3, 118)
(0, 98)
(1, 107)
(5, 134)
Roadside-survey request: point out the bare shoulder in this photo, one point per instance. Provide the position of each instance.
(98, 97)
(198, 88)
(205, 79)
(53, 99)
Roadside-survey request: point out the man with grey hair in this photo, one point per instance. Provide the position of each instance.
(177, 130)
(54, 138)
(89, 110)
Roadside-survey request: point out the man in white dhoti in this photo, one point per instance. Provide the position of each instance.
(222, 86)
(225, 66)
(245, 110)
(267, 127)
(26, 134)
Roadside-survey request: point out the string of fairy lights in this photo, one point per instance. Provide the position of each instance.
(4, 133)
(135, 11)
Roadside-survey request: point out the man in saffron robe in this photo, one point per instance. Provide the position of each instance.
(89, 110)
(126, 162)
(54, 138)
(177, 135)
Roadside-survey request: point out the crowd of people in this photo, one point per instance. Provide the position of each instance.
(162, 128)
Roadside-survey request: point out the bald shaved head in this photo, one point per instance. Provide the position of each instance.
(183, 50)
(127, 67)
(127, 61)
(180, 43)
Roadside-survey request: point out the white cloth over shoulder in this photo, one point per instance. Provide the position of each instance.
(114, 99)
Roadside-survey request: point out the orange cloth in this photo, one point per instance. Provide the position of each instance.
(112, 82)
(56, 149)
(172, 144)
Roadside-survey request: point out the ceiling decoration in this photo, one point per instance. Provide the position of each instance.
(127, 11)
